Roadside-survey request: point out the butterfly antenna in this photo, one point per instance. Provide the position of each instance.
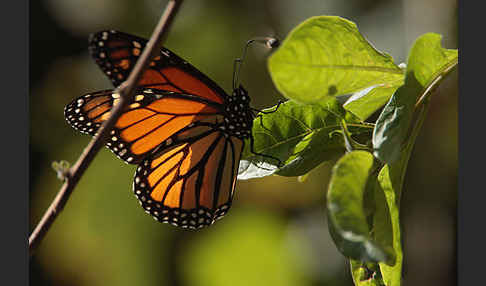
(269, 42)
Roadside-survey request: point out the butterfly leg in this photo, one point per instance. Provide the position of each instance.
(266, 112)
(275, 110)
(252, 150)
(260, 116)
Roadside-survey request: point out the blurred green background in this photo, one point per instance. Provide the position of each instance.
(276, 232)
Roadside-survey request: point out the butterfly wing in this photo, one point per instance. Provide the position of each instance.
(191, 184)
(154, 121)
(116, 54)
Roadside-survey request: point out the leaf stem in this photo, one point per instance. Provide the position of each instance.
(126, 91)
(427, 92)
(433, 84)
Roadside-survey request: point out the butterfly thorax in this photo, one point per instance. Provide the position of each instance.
(238, 119)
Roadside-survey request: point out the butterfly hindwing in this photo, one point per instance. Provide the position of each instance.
(116, 54)
(191, 184)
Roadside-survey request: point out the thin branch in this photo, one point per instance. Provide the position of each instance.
(126, 91)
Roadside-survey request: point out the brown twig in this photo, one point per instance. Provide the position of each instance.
(126, 91)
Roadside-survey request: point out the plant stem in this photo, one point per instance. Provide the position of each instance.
(126, 91)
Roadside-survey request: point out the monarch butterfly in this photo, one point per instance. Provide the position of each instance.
(184, 132)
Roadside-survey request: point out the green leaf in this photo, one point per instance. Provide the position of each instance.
(365, 102)
(386, 226)
(386, 217)
(301, 136)
(348, 222)
(327, 56)
(392, 125)
(427, 58)
(427, 64)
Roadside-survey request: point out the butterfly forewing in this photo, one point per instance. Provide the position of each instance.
(116, 53)
(152, 122)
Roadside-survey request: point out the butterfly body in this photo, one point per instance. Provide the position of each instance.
(238, 115)
(182, 130)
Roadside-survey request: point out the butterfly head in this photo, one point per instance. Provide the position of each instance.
(241, 95)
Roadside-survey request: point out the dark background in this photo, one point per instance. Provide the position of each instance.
(276, 232)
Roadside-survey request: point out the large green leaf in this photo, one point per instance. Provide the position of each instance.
(327, 56)
(301, 136)
(427, 64)
(347, 215)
